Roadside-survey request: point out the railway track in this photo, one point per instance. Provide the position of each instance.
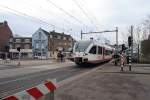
(20, 83)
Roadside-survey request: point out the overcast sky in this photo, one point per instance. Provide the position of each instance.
(26, 16)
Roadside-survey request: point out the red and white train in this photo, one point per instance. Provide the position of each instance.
(91, 52)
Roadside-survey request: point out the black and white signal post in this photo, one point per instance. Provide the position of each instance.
(130, 52)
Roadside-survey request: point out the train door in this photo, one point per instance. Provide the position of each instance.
(93, 53)
(100, 53)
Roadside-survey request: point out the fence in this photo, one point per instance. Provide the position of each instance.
(43, 91)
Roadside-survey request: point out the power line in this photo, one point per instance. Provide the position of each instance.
(90, 14)
(31, 17)
(61, 9)
(84, 12)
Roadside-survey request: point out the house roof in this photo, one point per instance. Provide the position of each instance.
(45, 32)
(22, 37)
(1, 23)
(56, 33)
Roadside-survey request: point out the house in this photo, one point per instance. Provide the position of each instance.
(45, 44)
(25, 43)
(5, 35)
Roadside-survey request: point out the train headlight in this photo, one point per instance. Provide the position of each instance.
(85, 59)
(85, 54)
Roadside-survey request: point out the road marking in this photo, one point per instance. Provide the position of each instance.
(27, 77)
(63, 82)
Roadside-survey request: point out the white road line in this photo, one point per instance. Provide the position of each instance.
(27, 77)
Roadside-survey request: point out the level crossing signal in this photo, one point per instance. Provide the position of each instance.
(123, 47)
(129, 41)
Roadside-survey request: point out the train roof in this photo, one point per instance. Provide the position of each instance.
(96, 43)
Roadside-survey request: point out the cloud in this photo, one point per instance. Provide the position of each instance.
(106, 14)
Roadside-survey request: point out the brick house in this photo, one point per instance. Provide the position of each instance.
(25, 43)
(5, 35)
(45, 44)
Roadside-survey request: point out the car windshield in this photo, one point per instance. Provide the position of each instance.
(81, 46)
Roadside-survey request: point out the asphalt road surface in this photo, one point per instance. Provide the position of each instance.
(11, 85)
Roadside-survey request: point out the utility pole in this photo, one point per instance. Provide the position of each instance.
(81, 34)
(19, 55)
(117, 39)
(132, 41)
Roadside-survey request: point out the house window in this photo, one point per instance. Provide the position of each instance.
(51, 36)
(64, 38)
(11, 40)
(18, 40)
(59, 43)
(70, 39)
(27, 40)
(17, 45)
(10, 46)
(55, 36)
(58, 37)
(65, 43)
(42, 46)
(37, 45)
(27, 46)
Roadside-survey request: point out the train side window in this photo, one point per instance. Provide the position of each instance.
(99, 50)
(93, 50)
(108, 52)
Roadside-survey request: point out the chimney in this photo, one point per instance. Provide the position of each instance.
(5, 22)
(91, 38)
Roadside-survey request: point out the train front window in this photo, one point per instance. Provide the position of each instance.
(93, 50)
(82, 46)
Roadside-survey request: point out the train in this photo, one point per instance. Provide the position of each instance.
(91, 52)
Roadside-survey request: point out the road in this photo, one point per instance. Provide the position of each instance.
(14, 84)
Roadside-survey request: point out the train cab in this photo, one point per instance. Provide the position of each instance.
(91, 52)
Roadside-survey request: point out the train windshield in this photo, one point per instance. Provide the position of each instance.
(81, 46)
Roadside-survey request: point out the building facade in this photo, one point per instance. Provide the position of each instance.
(5, 35)
(45, 44)
(40, 44)
(25, 43)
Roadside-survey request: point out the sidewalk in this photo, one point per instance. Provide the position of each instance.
(28, 62)
(108, 83)
(22, 70)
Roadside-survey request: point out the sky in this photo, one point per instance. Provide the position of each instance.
(71, 16)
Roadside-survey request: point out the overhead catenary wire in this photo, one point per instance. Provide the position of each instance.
(18, 13)
(70, 15)
(84, 12)
(41, 7)
(96, 21)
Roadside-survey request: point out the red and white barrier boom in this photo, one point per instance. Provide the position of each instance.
(34, 93)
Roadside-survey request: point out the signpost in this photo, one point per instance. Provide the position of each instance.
(18, 49)
(6, 51)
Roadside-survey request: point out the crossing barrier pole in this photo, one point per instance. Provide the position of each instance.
(130, 59)
(43, 91)
(122, 61)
